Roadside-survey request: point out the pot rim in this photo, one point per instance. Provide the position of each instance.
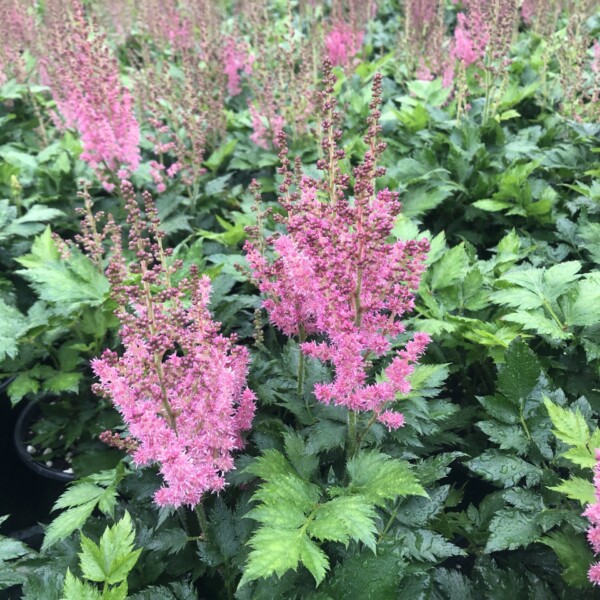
(23, 421)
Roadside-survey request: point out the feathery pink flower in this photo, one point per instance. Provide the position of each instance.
(237, 60)
(179, 384)
(83, 77)
(337, 276)
(464, 47)
(343, 43)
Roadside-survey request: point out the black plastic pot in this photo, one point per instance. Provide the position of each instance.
(22, 428)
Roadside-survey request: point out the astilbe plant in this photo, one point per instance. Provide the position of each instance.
(17, 32)
(181, 90)
(83, 77)
(578, 59)
(284, 71)
(179, 384)
(337, 282)
(422, 40)
(483, 37)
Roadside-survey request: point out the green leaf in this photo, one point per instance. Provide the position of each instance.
(584, 310)
(569, 427)
(67, 283)
(452, 267)
(12, 325)
(520, 374)
(507, 437)
(269, 465)
(581, 456)
(574, 555)
(511, 529)
(578, 489)
(112, 560)
(503, 469)
(81, 498)
(345, 518)
(538, 322)
(379, 478)
(276, 551)
(429, 546)
(22, 385)
(369, 576)
(75, 589)
(66, 523)
(63, 382)
(216, 159)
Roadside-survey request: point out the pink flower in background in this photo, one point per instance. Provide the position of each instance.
(464, 47)
(592, 512)
(237, 60)
(179, 384)
(343, 43)
(528, 9)
(265, 128)
(83, 77)
(596, 60)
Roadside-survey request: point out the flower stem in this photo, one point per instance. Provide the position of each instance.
(201, 516)
(352, 439)
(301, 371)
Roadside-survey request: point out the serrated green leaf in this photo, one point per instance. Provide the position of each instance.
(584, 310)
(503, 469)
(172, 541)
(66, 523)
(500, 408)
(11, 549)
(63, 382)
(366, 576)
(325, 435)
(520, 373)
(452, 267)
(429, 546)
(270, 464)
(507, 437)
(510, 529)
(379, 478)
(581, 456)
(345, 518)
(75, 589)
(22, 385)
(569, 427)
(276, 551)
(537, 322)
(12, 325)
(295, 449)
(289, 491)
(111, 561)
(79, 494)
(574, 555)
(576, 488)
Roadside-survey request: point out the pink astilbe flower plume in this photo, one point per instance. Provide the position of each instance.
(592, 512)
(83, 77)
(343, 43)
(337, 276)
(179, 384)
(17, 32)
